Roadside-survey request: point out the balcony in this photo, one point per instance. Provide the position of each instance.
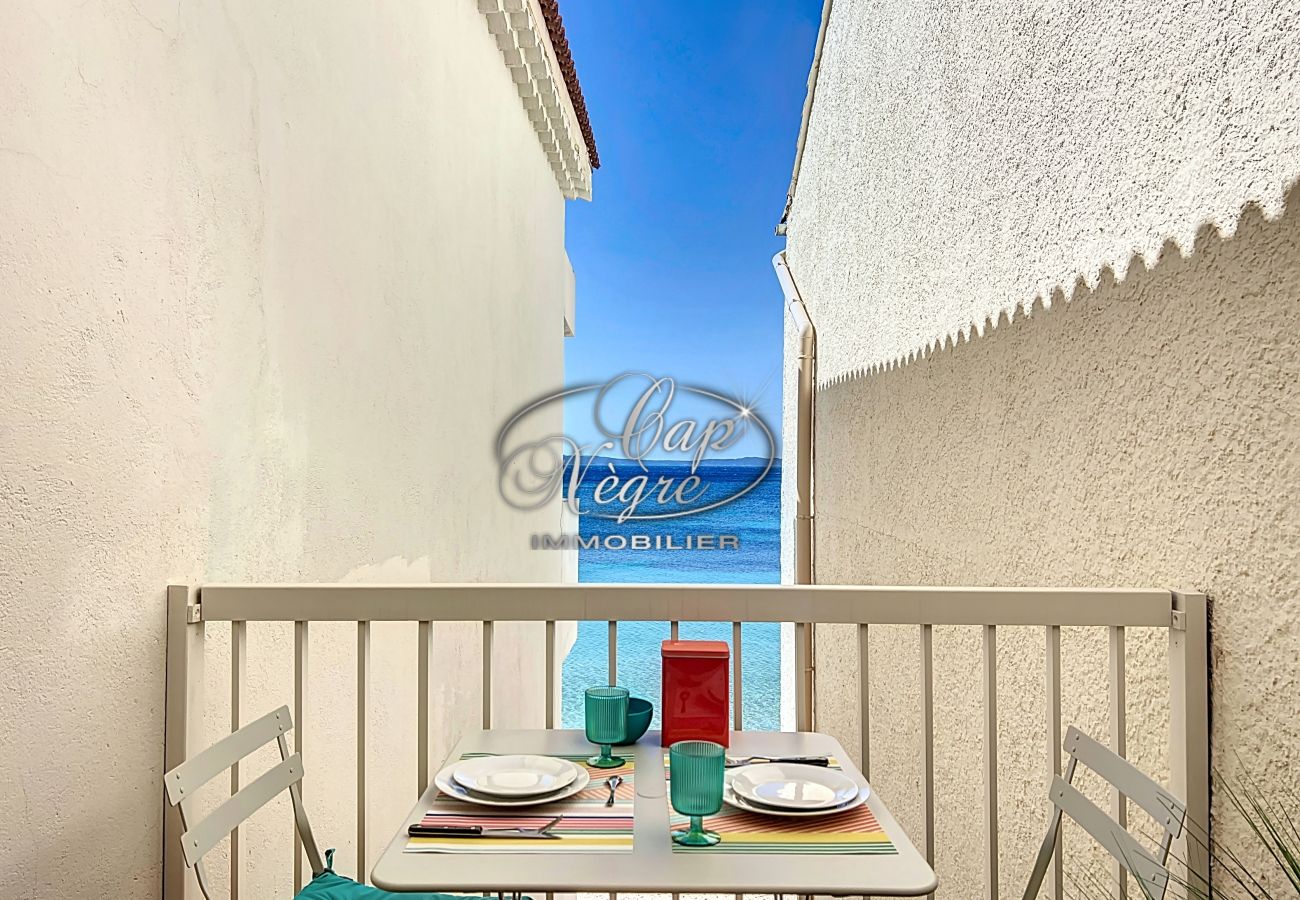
(426, 608)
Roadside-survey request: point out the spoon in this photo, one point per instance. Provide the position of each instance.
(612, 782)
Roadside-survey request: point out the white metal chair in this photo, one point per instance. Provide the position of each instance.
(184, 781)
(1150, 869)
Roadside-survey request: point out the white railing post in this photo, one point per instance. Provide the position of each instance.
(611, 666)
(363, 719)
(301, 656)
(238, 674)
(1118, 742)
(864, 699)
(551, 700)
(1189, 729)
(803, 666)
(424, 699)
(486, 681)
(991, 756)
(737, 679)
(1052, 654)
(183, 727)
(927, 738)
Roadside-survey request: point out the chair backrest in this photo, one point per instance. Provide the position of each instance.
(184, 781)
(1148, 868)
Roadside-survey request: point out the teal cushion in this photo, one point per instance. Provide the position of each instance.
(329, 885)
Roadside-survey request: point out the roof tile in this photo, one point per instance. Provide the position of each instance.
(555, 28)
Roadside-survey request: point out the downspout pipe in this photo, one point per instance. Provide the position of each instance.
(807, 337)
(813, 72)
(804, 531)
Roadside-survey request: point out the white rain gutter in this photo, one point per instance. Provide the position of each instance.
(804, 532)
(805, 571)
(807, 114)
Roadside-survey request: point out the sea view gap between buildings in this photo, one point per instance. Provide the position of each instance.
(754, 518)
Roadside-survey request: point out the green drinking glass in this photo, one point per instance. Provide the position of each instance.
(606, 709)
(695, 779)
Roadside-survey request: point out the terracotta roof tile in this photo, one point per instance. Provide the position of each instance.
(555, 27)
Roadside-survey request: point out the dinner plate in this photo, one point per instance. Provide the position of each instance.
(734, 799)
(793, 786)
(515, 776)
(448, 785)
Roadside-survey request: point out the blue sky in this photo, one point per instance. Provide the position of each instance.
(695, 108)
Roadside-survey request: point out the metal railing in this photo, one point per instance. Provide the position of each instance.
(1183, 615)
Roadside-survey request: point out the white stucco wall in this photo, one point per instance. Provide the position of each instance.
(965, 160)
(271, 276)
(969, 162)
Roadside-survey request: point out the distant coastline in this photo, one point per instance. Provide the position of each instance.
(739, 462)
(742, 462)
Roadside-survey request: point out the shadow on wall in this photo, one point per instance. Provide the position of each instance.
(1144, 433)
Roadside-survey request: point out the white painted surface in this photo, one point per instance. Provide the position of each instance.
(965, 160)
(271, 275)
(962, 163)
(520, 31)
(653, 866)
(789, 499)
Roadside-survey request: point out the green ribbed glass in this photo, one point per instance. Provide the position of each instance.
(606, 709)
(695, 777)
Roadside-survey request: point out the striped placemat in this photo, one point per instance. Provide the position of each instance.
(853, 832)
(586, 825)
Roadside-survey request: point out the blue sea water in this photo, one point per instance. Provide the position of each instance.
(755, 519)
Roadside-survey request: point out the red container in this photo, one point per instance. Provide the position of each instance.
(695, 705)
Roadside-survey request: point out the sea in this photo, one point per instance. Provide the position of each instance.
(754, 518)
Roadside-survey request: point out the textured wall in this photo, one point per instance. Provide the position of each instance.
(1109, 185)
(271, 275)
(965, 159)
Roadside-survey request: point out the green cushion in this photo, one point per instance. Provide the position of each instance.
(329, 885)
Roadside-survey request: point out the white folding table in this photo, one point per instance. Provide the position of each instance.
(652, 866)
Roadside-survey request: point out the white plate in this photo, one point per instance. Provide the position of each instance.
(515, 776)
(793, 786)
(733, 799)
(448, 786)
